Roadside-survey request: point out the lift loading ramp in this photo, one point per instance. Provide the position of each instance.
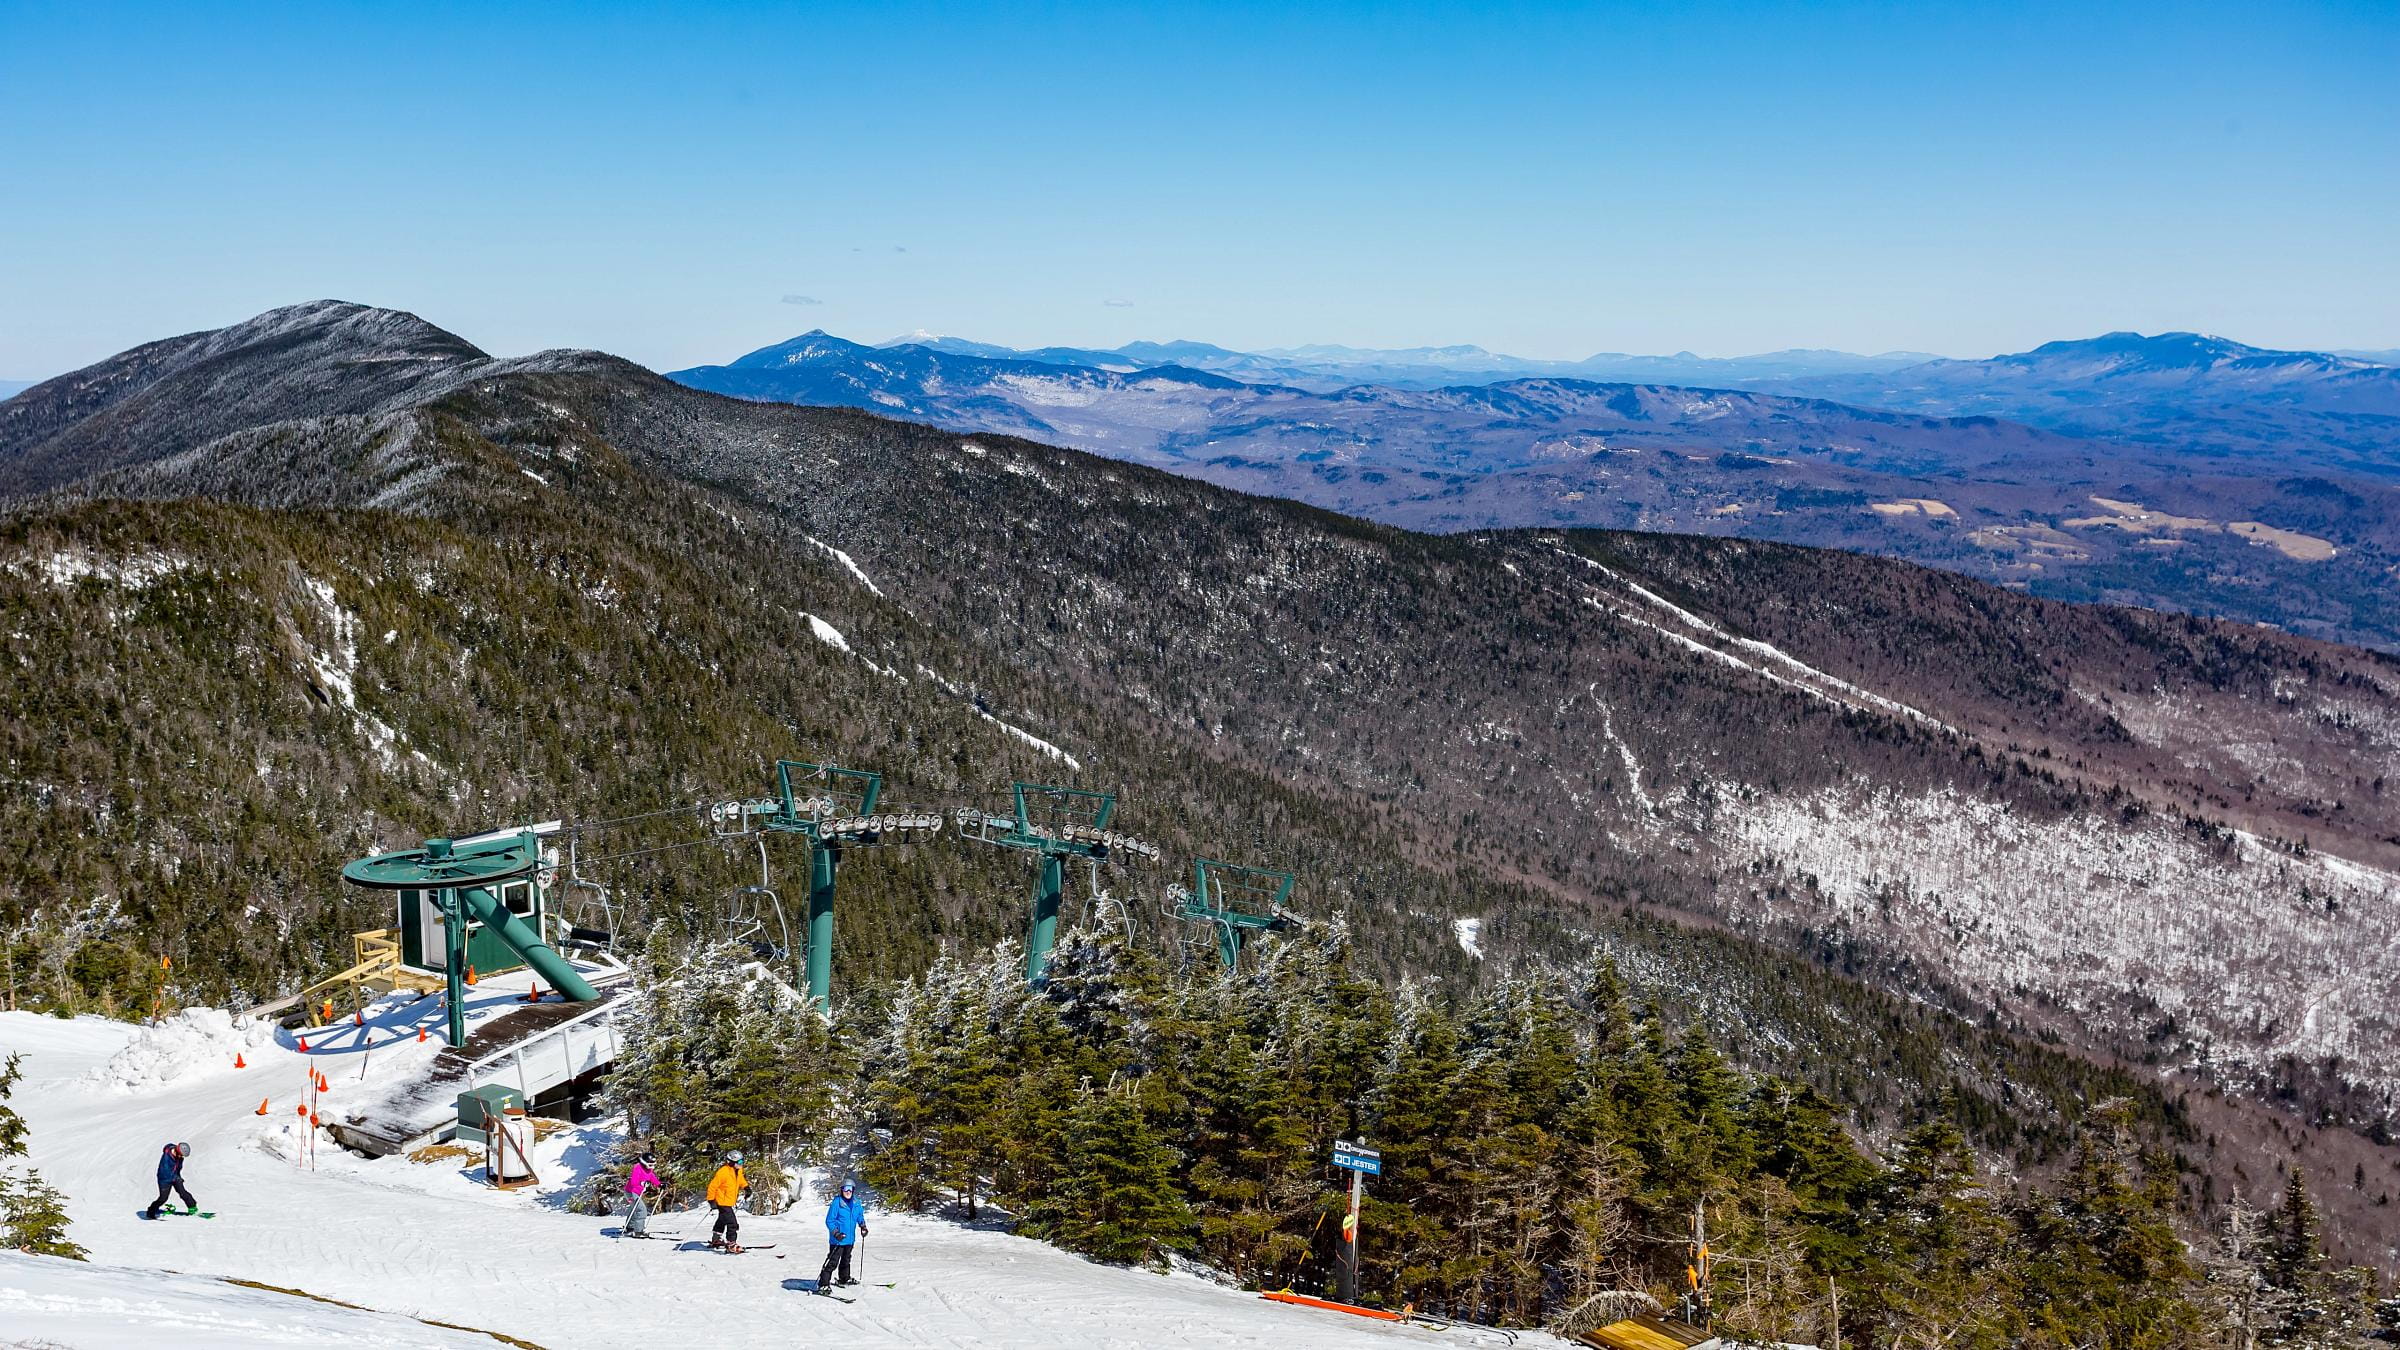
(538, 1049)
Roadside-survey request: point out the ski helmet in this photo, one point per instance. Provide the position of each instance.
(848, 1186)
(734, 1157)
(645, 1159)
(184, 1149)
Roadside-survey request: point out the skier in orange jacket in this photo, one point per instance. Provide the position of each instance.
(725, 1191)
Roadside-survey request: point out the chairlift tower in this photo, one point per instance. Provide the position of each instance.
(1238, 901)
(1054, 824)
(833, 808)
(464, 879)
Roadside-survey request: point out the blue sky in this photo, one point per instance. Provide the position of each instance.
(1547, 180)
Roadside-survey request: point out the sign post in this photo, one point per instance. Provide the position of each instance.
(1359, 1161)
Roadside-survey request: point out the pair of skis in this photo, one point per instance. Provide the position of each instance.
(847, 1298)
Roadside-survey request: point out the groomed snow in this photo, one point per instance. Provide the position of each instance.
(417, 1240)
(47, 1302)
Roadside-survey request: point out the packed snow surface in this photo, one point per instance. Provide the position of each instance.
(48, 1302)
(412, 1240)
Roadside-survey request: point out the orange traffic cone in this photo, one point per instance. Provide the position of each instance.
(420, 1035)
(304, 1045)
(358, 1019)
(262, 1106)
(322, 1085)
(237, 1060)
(470, 977)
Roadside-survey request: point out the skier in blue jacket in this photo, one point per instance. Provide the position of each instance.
(170, 1178)
(845, 1223)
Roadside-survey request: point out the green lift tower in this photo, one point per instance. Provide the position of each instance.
(1054, 823)
(833, 808)
(1237, 901)
(464, 882)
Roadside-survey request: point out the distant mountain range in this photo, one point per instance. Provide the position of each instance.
(2178, 472)
(2200, 396)
(1323, 368)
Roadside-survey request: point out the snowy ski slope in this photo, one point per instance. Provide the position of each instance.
(413, 1240)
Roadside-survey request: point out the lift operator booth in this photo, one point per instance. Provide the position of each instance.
(424, 942)
(467, 883)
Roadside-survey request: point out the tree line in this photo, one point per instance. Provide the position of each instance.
(1545, 1140)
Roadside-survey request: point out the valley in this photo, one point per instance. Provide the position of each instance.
(2299, 529)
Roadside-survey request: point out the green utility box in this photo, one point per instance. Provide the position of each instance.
(421, 934)
(478, 1104)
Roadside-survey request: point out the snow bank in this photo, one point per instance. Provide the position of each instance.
(194, 1043)
(48, 1301)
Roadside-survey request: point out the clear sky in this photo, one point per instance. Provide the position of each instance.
(680, 184)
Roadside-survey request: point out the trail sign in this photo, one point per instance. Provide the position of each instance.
(1361, 1163)
(1357, 1157)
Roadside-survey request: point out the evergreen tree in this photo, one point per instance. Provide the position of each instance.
(2103, 1266)
(1935, 1266)
(2297, 1254)
(33, 1215)
(715, 1056)
(1116, 1197)
(1250, 1175)
(1415, 1122)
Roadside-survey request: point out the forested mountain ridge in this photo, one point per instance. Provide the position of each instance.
(564, 585)
(2302, 533)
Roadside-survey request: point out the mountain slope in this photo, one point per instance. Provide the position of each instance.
(604, 591)
(414, 1238)
(322, 359)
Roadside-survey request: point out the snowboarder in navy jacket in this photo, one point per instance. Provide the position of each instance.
(845, 1221)
(170, 1178)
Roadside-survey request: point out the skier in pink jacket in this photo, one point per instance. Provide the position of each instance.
(638, 1184)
